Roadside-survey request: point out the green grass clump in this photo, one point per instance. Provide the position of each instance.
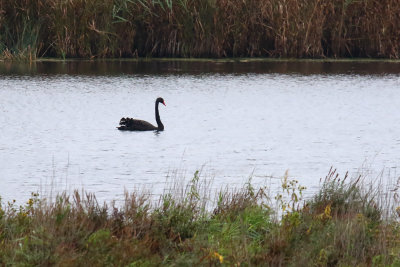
(345, 223)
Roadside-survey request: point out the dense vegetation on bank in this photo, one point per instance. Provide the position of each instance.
(346, 223)
(199, 28)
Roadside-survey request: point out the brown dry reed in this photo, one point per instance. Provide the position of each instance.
(199, 28)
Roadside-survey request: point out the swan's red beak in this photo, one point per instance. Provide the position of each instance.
(164, 103)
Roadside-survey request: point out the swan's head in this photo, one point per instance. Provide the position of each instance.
(161, 100)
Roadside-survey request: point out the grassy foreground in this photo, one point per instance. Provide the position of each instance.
(346, 223)
(199, 28)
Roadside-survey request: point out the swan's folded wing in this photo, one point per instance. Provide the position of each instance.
(122, 121)
(126, 121)
(135, 125)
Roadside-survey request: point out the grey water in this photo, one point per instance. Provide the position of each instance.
(232, 120)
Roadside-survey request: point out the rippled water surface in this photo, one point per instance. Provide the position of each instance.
(58, 123)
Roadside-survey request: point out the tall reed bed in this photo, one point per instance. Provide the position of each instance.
(346, 223)
(199, 28)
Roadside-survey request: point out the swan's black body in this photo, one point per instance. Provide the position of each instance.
(129, 124)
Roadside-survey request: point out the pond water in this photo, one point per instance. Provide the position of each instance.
(232, 120)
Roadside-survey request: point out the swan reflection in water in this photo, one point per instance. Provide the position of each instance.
(130, 124)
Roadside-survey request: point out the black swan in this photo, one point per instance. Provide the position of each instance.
(129, 124)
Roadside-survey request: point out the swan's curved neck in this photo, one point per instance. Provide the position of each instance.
(160, 126)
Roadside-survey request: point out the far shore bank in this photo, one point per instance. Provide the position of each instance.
(211, 60)
(194, 66)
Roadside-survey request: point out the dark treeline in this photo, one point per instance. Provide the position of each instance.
(199, 28)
